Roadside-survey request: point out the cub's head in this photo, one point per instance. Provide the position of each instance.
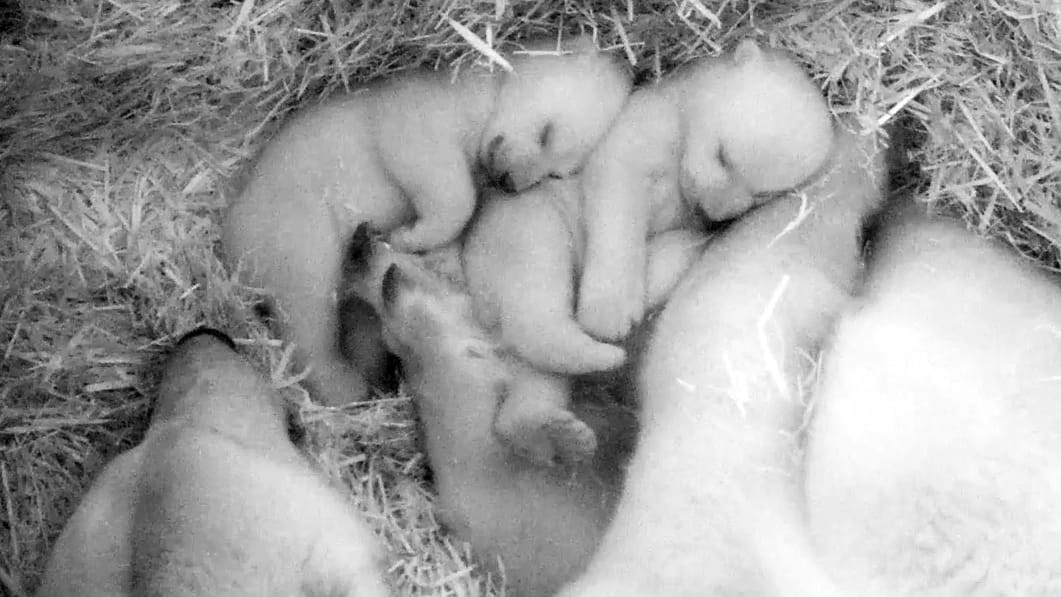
(551, 111)
(756, 125)
(421, 312)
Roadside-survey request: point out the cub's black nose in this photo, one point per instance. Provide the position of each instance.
(492, 149)
(504, 182)
(495, 170)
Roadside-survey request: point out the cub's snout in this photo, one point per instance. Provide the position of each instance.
(495, 167)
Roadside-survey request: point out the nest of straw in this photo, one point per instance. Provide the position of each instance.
(120, 123)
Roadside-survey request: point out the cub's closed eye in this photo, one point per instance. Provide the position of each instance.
(546, 135)
(722, 158)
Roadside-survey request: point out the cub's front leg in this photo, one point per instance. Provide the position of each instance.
(619, 210)
(437, 179)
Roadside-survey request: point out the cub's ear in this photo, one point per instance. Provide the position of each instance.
(359, 250)
(746, 52)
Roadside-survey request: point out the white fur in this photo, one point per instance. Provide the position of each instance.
(520, 259)
(215, 500)
(719, 135)
(401, 155)
(934, 459)
(541, 523)
(711, 502)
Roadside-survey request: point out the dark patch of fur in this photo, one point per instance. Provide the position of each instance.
(359, 251)
(391, 286)
(296, 432)
(208, 331)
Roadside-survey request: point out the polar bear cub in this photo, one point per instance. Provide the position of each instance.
(215, 501)
(403, 155)
(934, 457)
(719, 136)
(541, 523)
(520, 259)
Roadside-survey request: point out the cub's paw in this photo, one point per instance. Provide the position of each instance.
(556, 437)
(420, 236)
(610, 309)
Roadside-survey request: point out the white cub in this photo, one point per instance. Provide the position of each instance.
(520, 258)
(403, 155)
(721, 136)
(215, 501)
(934, 457)
(551, 112)
(538, 525)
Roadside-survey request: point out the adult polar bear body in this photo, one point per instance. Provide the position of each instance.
(933, 457)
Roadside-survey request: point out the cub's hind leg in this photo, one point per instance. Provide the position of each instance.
(535, 421)
(519, 263)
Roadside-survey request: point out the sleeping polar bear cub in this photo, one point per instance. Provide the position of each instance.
(934, 457)
(520, 258)
(720, 136)
(403, 155)
(542, 523)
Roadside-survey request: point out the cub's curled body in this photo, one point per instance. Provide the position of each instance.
(719, 136)
(215, 501)
(403, 155)
(934, 457)
(542, 523)
(520, 259)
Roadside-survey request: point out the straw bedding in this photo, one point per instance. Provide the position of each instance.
(122, 120)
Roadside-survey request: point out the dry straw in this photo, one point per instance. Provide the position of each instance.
(120, 121)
